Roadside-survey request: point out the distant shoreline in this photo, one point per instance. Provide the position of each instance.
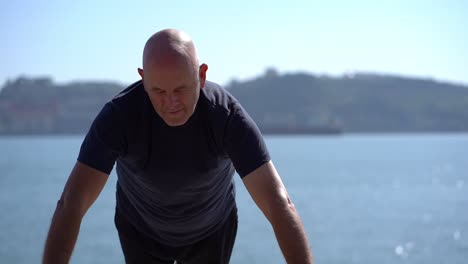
(290, 104)
(268, 133)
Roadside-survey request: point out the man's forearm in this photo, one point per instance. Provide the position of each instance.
(62, 236)
(291, 236)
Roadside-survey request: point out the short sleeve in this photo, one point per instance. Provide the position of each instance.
(244, 143)
(104, 141)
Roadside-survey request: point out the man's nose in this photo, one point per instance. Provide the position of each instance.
(172, 100)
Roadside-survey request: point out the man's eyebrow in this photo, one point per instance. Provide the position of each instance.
(156, 88)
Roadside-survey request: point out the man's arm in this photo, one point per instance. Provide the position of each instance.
(80, 192)
(267, 190)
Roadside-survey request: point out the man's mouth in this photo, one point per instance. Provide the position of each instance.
(174, 111)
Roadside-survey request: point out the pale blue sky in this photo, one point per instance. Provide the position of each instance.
(103, 40)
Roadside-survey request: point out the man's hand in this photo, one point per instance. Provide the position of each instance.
(267, 190)
(80, 192)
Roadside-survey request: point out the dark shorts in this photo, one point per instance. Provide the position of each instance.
(216, 248)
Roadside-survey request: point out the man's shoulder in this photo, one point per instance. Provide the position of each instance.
(132, 93)
(128, 104)
(218, 97)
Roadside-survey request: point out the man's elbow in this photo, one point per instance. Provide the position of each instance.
(70, 206)
(283, 208)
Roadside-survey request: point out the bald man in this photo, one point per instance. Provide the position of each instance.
(177, 140)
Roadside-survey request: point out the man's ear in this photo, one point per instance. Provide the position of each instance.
(140, 72)
(202, 74)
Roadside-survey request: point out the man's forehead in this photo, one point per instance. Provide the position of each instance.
(170, 75)
(165, 60)
(171, 67)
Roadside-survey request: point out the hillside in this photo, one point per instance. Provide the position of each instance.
(289, 103)
(355, 103)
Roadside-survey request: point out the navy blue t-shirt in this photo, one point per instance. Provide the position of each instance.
(175, 184)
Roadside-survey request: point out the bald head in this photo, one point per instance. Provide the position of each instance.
(170, 47)
(171, 75)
